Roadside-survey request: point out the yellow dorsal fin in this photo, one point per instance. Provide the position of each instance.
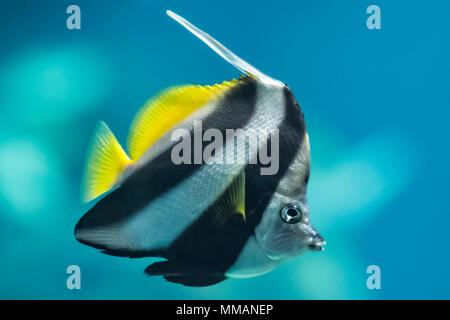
(167, 109)
(105, 163)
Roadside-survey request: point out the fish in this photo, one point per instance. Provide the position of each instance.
(208, 219)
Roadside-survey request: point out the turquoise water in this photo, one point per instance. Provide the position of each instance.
(376, 104)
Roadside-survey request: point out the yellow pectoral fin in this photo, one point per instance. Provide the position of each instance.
(231, 202)
(105, 163)
(167, 109)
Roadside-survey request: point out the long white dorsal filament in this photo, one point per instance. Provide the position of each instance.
(220, 49)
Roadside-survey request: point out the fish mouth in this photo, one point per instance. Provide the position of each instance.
(317, 243)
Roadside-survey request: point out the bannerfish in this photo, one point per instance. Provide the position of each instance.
(209, 219)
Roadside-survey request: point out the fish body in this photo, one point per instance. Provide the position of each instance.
(208, 220)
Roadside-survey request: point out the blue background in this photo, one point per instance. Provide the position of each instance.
(376, 104)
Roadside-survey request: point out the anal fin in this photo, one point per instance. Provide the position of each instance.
(186, 275)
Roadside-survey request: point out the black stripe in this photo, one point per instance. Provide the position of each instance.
(260, 189)
(216, 250)
(209, 246)
(160, 175)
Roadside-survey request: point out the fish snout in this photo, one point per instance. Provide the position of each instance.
(317, 243)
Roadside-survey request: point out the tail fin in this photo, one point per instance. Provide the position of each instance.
(105, 163)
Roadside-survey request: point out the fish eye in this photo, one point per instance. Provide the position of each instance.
(291, 213)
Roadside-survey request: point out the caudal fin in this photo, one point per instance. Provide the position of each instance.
(105, 163)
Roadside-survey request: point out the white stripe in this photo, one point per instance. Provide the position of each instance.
(163, 220)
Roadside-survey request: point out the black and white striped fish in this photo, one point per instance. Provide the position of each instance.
(209, 220)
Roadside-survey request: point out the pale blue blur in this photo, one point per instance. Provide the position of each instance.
(376, 104)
